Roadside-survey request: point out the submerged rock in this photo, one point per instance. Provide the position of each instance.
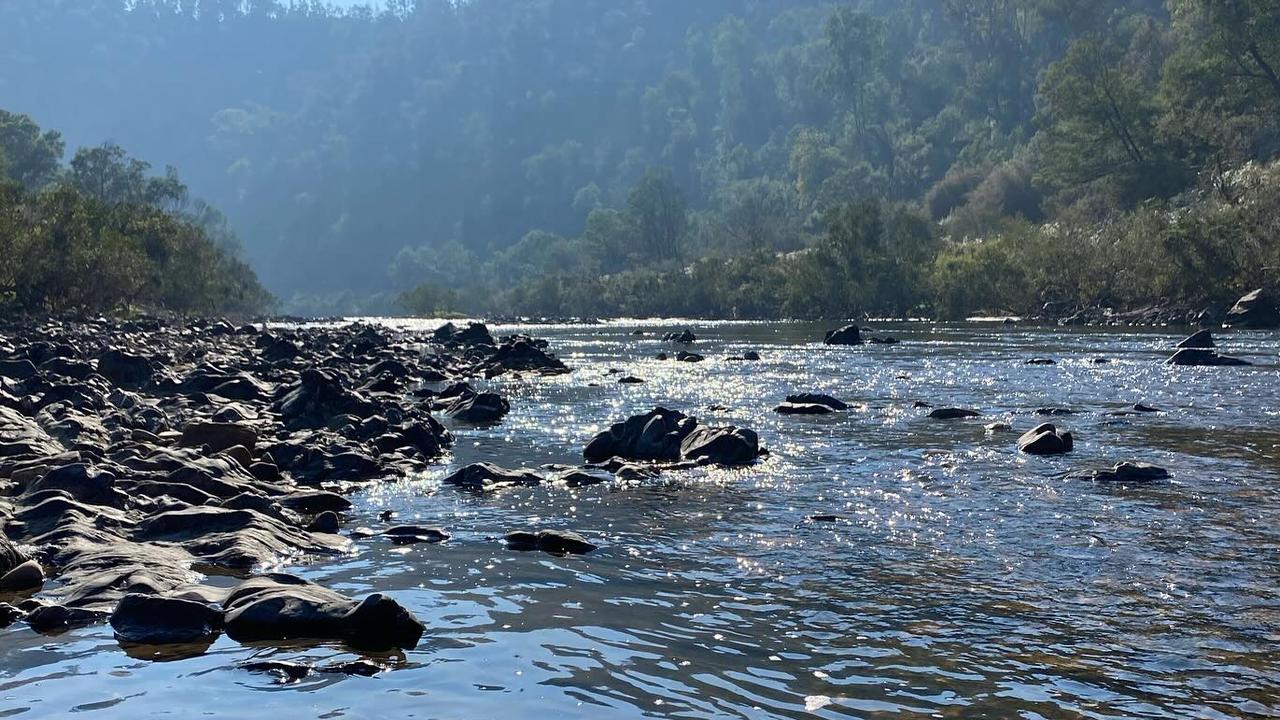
(486, 476)
(556, 542)
(1125, 472)
(954, 414)
(413, 534)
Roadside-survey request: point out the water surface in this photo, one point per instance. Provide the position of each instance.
(960, 579)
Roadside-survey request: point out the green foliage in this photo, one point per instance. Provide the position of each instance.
(102, 240)
(30, 158)
(429, 301)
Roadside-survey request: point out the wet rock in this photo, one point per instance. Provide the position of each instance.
(472, 334)
(17, 369)
(1054, 411)
(1041, 361)
(478, 408)
(9, 615)
(685, 338)
(1258, 309)
(631, 380)
(282, 607)
(810, 404)
(669, 436)
(1202, 339)
(520, 353)
(1045, 440)
(10, 556)
(689, 357)
(998, 427)
(556, 542)
(581, 478)
(218, 436)
(413, 534)
(1141, 408)
(954, 414)
(1196, 357)
(318, 396)
(52, 618)
(486, 476)
(1125, 472)
(27, 576)
(21, 436)
(751, 356)
(847, 335)
(326, 522)
(721, 446)
(315, 502)
(152, 620)
(877, 340)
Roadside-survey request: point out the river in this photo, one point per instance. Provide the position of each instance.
(958, 578)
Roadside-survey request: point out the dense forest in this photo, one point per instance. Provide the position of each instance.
(732, 158)
(102, 234)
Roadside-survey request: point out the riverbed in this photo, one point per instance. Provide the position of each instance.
(876, 564)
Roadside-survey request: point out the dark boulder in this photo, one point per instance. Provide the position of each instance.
(10, 556)
(556, 542)
(485, 476)
(721, 446)
(281, 607)
(1202, 340)
(1258, 309)
(1197, 357)
(317, 397)
(151, 620)
(27, 576)
(124, 368)
(656, 435)
(810, 404)
(751, 356)
(413, 534)
(685, 338)
(52, 618)
(630, 380)
(689, 357)
(954, 414)
(472, 334)
(1041, 361)
(17, 369)
(218, 436)
(1045, 440)
(1125, 472)
(847, 335)
(478, 408)
(520, 353)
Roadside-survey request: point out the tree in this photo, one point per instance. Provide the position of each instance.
(29, 157)
(658, 208)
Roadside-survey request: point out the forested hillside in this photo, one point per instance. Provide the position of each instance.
(722, 157)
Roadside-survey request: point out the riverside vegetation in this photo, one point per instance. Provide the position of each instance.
(778, 158)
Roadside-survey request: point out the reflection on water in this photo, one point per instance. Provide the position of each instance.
(949, 576)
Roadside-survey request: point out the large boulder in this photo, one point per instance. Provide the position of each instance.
(1258, 309)
(1202, 339)
(1045, 440)
(1198, 357)
(847, 335)
(810, 404)
(152, 620)
(317, 397)
(282, 607)
(721, 446)
(218, 436)
(664, 435)
(478, 408)
(472, 334)
(486, 476)
(124, 368)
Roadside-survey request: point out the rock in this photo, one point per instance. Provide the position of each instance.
(581, 478)
(478, 408)
(556, 542)
(847, 335)
(685, 338)
(1054, 411)
(282, 607)
(318, 396)
(27, 576)
(810, 404)
(20, 436)
(218, 436)
(152, 620)
(1145, 408)
(314, 502)
(1125, 472)
(1201, 340)
(326, 522)
(751, 356)
(721, 446)
(411, 534)
(1196, 357)
(123, 368)
(51, 618)
(998, 427)
(1258, 309)
(10, 556)
(473, 334)
(1041, 361)
(689, 357)
(1045, 440)
(17, 369)
(954, 414)
(486, 476)
(9, 615)
(884, 341)
(520, 353)
(631, 380)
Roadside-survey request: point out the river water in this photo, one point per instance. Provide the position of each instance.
(960, 579)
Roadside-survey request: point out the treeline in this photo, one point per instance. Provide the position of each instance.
(102, 236)
(771, 158)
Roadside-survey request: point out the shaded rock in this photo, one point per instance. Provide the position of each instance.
(17, 369)
(689, 357)
(281, 607)
(152, 620)
(218, 436)
(478, 408)
(721, 446)
(1196, 357)
(998, 427)
(1041, 361)
(9, 615)
(810, 404)
(1125, 472)
(1201, 340)
(1258, 309)
(485, 476)
(10, 556)
(27, 576)
(51, 618)
(954, 414)
(581, 478)
(413, 534)
(751, 356)
(472, 334)
(556, 542)
(1045, 440)
(847, 335)
(326, 522)
(631, 380)
(685, 338)
(124, 368)
(317, 397)
(1054, 411)
(656, 435)
(20, 436)
(520, 353)
(314, 502)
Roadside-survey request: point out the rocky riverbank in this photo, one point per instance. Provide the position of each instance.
(139, 460)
